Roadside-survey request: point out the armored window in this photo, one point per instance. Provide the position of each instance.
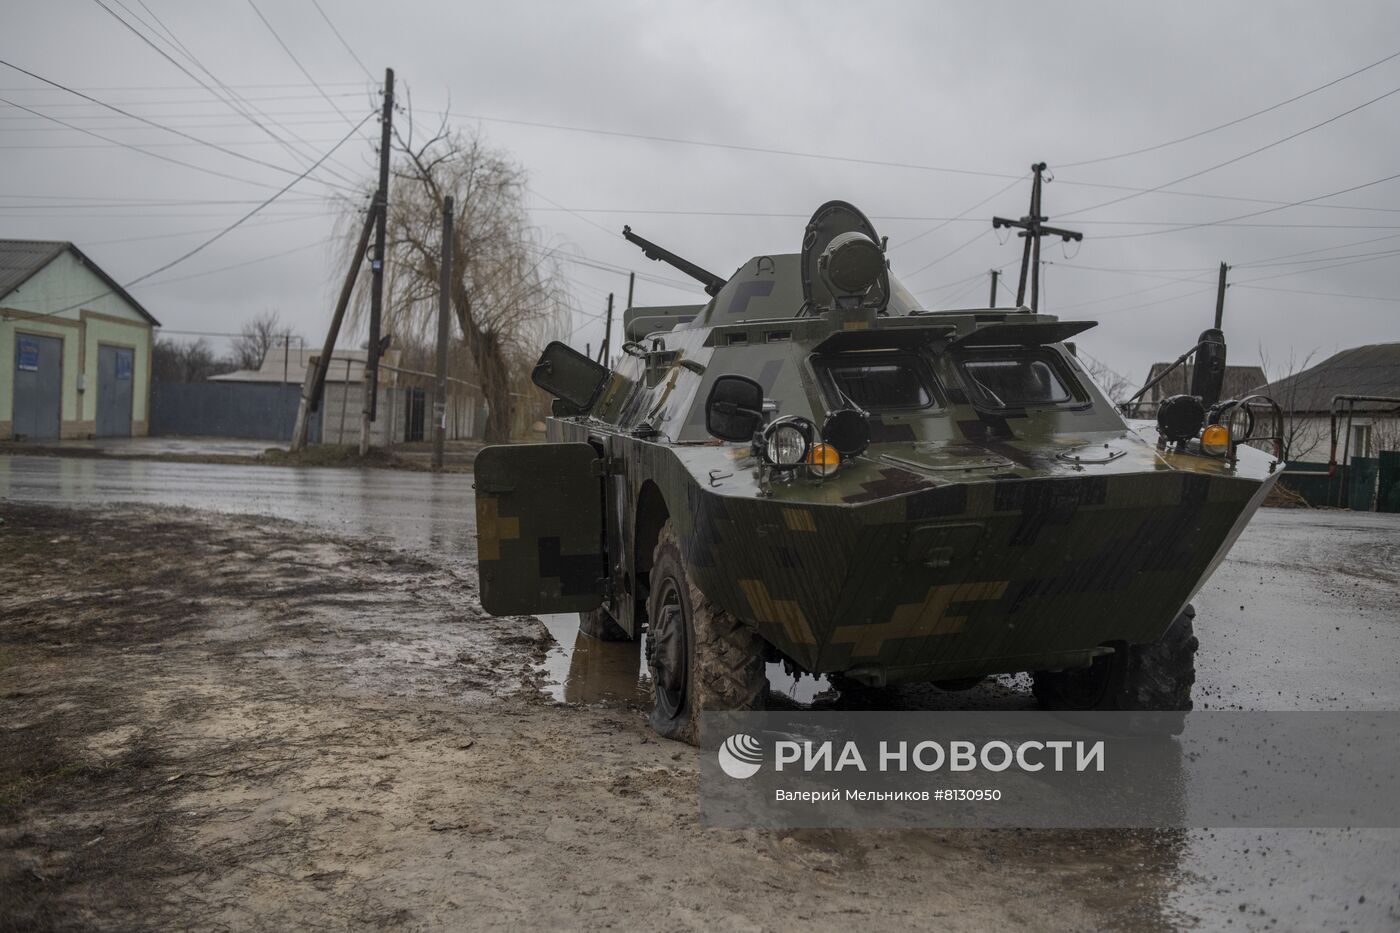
(877, 381)
(1017, 379)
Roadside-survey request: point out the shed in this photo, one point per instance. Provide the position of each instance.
(75, 347)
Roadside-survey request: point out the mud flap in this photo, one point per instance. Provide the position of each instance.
(539, 528)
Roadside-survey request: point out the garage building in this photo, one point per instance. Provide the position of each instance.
(75, 348)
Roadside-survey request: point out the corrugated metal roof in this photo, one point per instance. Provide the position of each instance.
(21, 259)
(1370, 370)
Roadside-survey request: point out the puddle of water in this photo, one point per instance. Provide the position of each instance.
(582, 669)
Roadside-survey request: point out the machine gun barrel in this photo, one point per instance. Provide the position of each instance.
(712, 282)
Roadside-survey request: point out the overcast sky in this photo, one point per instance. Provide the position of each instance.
(962, 96)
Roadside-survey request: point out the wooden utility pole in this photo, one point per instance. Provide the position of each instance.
(1032, 227)
(376, 301)
(996, 274)
(444, 305)
(607, 335)
(313, 386)
(631, 284)
(1220, 297)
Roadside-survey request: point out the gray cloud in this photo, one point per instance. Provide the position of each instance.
(987, 87)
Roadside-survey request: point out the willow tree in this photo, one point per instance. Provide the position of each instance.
(507, 294)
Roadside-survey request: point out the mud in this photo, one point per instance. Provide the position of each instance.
(226, 721)
(222, 723)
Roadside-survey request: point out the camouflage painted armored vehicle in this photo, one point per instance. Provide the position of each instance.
(810, 468)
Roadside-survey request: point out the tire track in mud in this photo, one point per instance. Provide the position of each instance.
(216, 722)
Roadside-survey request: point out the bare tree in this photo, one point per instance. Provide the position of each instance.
(173, 361)
(259, 335)
(1117, 387)
(507, 295)
(1301, 429)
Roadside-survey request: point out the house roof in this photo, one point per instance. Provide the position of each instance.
(1373, 369)
(1239, 381)
(290, 365)
(21, 260)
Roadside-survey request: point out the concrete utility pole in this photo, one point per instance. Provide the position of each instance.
(1033, 228)
(607, 335)
(444, 304)
(996, 274)
(376, 301)
(314, 385)
(1220, 297)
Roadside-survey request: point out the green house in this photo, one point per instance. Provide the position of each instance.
(75, 348)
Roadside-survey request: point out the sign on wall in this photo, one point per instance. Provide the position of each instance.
(28, 355)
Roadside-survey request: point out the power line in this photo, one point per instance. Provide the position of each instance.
(645, 137)
(244, 102)
(135, 148)
(180, 47)
(933, 262)
(1238, 158)
(226, 230)
(86, 244)
(1234, 122)
(186, 101)
(180, 87)
(237, 155)
(296, 61)
(239, 265)
(368, 73)
(1230, 221)
(1299, 291)
(996, 194)
(236, 223)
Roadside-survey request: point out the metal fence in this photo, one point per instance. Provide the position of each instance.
(1362, 484)
(262, 411)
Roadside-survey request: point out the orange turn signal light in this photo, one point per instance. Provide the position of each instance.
(823, 459)
(1215, 439)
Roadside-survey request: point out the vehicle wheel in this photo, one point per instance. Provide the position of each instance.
(700, 657)
(599, 623)
(1154, 676)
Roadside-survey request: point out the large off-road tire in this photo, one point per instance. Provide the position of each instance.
(1154, 677)
(700, 657)
(598, 624)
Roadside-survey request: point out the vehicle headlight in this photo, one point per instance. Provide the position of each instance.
(786, 442)
(786, 446)
(1240, 423)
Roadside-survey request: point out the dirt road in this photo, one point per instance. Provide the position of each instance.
(216, 722)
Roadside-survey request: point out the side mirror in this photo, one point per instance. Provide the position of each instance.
(567, 374)
(734, 409)
(1208, 372)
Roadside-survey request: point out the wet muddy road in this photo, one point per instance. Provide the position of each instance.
(1304, 615)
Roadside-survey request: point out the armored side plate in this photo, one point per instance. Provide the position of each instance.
(539, 521)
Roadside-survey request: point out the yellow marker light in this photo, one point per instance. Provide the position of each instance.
(1215, 439)
(823, 459)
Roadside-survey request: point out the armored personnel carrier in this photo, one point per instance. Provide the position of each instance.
(811, 468)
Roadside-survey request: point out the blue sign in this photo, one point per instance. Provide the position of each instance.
(28, 354)
(124, 361)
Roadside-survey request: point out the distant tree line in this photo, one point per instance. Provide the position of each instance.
(195, 361)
